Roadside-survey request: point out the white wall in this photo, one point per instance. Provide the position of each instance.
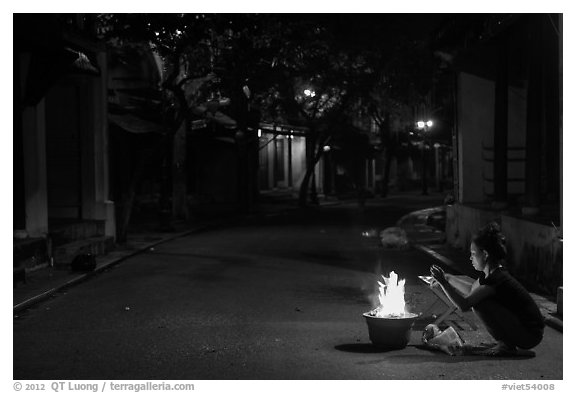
(516, 140)
(534, 250)
(475, 129)
(34, 136)
(95, 185)
(298, 160)
(298, 147)
(34, 152)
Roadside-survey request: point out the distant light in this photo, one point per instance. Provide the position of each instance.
(259, 132)
(422, 124)
(309, 93)
(326, 148)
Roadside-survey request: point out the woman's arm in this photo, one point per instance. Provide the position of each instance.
(462, 301)
(463, 284)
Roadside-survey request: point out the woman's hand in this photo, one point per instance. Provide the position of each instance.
(438, 274)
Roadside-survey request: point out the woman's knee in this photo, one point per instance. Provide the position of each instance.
(505, 326)
(529, 338)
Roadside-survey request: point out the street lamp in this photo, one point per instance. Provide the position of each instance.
(424, 126)
(309, 93)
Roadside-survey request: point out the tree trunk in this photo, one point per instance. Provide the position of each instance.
(165, 207)
(386, 174)
(179, 174)
(303, 193)
(358, 169)
(310, 166)
(124, 209)
(385, 135)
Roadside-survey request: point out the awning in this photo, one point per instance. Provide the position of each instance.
(47, 67)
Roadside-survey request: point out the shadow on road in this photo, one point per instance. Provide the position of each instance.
(439, 357)
(362, 348)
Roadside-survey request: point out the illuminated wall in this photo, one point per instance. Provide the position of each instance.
(283, 162)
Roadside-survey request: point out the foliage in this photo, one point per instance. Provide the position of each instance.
(279, 56)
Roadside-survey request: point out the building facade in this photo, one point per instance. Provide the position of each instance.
(508, 141)
(60, 135)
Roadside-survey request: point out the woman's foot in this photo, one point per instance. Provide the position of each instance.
(487, 345)
(503, 349)
(499, 348)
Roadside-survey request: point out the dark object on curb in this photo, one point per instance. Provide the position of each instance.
(83, 263)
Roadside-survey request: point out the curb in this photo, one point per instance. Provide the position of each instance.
(549, 319)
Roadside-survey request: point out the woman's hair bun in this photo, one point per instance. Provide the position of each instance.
(491, 239)
(492, 227)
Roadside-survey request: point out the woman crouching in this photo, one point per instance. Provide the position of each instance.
(503, 305)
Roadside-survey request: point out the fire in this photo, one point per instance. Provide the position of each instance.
(391, 297)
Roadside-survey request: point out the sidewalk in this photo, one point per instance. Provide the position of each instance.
(43, 283)
(432, 242)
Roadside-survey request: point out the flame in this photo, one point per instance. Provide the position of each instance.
(391, 297)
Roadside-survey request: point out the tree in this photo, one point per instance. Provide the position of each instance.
(403, 81)
(176, 40)
(211, 64)
(357, 65)
(312, 80)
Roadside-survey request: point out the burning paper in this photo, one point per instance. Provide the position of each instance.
(391, 297)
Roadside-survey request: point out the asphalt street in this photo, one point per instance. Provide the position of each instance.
(276, 297)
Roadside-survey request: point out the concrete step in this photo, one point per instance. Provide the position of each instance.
(99, 245)
(66, 231)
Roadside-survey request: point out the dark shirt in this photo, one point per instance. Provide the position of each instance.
(512, 295)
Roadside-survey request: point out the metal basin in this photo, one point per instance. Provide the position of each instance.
(390, 333)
